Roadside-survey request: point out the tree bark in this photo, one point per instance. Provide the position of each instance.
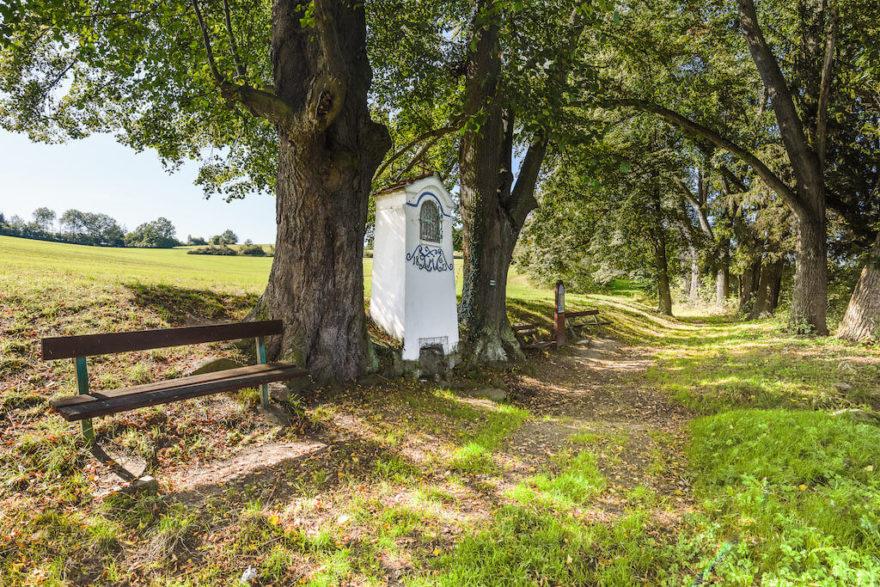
(862, 319)
(664, 296)
(765, 298)
(749, 286)
(329, 148)
(489, 237)
(776, 288)
(493, 208)
(810, 296)
(661, 262)
(722, 273)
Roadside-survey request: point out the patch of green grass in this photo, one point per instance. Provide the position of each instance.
(524, 545)
(393, 467)
(798, 489)
(173, 532)
(756, 365)
(576, 481)
(475, 456)
(583, 438)
(136, 511)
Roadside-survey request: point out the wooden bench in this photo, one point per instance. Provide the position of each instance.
(577, 321)
(89, 404)
(528, 337)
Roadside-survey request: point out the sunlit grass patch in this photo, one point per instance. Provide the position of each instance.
(394, 468)
(709, 379)
(583, 438)
(575, 481)
(798, 489)
(524, 544)
(476, 455)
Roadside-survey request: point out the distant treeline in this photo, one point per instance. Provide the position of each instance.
(88, 228)
(249, 249)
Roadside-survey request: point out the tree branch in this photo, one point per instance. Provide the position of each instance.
(206, 40)
(435, 134)
(522, 197)
(261, 104)
(825, 90)
(239, 66)
(764, 172)
(728, 175)
(698, 209)
(790, 125)
(419, 156)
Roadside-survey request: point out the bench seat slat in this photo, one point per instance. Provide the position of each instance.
(103, 403)
(66, 347)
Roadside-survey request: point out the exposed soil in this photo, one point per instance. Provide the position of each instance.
(601, 389)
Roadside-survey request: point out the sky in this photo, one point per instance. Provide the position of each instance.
(98, 175)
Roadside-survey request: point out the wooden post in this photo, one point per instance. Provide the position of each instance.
(559, 314)
(261, 359)
(82, 383)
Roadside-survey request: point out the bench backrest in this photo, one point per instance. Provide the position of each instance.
(66, 347)
(582, 313)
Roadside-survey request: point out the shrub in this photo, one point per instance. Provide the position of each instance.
(252, 250)
(212, 250)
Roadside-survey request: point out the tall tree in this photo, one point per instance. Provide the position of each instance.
(806, 59)
(44, 218)
(597, 197)
(270, 97)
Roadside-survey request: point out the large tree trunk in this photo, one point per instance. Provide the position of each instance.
(328, 155)
(664, 295)
(767, 294)
(810, 296)
(488, 238)
(862, 319)
(749, 286)
(776, 288)
(493, 210)
(811, 280)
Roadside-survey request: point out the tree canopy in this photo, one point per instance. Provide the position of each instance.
(737, 139)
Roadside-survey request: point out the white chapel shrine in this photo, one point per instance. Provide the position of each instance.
(413, 290)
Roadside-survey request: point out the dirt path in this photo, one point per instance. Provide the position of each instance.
(601, 390)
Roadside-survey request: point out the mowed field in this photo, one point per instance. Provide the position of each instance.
(667, 450)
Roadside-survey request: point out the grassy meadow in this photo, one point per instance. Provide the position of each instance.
(704, 449)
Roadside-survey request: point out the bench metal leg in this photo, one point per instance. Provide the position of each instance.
(82, 383)
(261, 359)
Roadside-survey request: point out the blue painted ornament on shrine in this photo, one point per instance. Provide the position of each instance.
(429, 258)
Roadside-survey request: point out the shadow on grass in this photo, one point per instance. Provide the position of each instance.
(355, 460)
(180, 305)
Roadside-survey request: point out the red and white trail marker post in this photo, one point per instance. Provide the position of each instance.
(559, 314)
